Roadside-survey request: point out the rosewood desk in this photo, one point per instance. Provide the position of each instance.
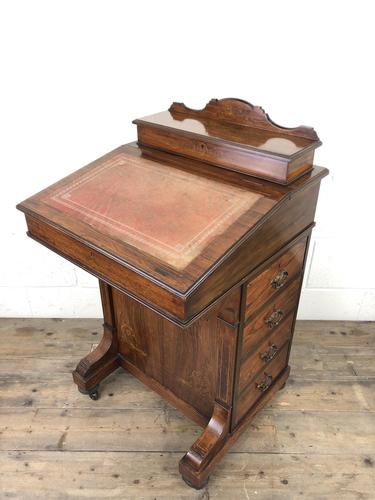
(198, 234)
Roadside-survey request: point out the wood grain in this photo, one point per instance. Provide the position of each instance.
(232, 134)
(257, 328)
(315, 440)
(174, 247)
(195, 364)
(271, 217)
(261, 288)
(130, 475)
(258, 361)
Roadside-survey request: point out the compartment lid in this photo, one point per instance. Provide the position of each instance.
(245, 129)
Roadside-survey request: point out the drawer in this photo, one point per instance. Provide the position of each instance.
(261, 383)
(275, 277)
(270, 317)
(267, 351)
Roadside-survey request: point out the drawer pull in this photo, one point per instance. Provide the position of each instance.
(270, 353)
(274, 319)
(280, 279)
(264, 385)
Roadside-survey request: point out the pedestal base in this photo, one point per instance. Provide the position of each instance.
(141, 334)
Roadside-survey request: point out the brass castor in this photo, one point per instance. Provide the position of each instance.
(92, 393)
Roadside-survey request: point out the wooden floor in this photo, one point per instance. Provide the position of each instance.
(316, 440)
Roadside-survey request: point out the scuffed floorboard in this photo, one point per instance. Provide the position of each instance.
(316, 439)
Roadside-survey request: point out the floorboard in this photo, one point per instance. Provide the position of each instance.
(315, 440)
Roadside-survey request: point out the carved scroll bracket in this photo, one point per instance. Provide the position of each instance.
(240, 112)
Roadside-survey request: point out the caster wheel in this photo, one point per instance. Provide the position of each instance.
(193, 485)
(94, 395)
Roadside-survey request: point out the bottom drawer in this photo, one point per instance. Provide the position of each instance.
(261, 384)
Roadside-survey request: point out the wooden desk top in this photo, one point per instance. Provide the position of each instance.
(169, 214)
(167, 217)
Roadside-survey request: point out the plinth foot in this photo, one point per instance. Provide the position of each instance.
(197, 464)
(97, 365)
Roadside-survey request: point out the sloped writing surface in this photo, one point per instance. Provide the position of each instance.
(165, 212)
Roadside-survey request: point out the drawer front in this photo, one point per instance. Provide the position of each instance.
(266, 353)
(270, 317)
(261, 384)
(275, 277)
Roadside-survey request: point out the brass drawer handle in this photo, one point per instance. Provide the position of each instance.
(280, 279)
(265, 384)
(274, 319)
(270, 353)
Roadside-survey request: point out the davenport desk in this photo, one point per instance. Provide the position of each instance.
(198, 234)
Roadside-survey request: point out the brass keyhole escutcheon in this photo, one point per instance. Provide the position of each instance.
(202, 147)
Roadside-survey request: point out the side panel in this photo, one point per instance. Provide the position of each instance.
(295, 215)
(195, 364)
(103, 267)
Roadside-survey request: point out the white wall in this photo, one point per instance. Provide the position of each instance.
(75, 73)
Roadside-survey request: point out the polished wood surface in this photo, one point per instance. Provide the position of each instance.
(134, 267)
(270, 316)
(259, 357)
(200, 268)
(192, 209)
(267, 141)
(294, 215)
(233, 134)
(260, 385)
(239, 112)
(195, 364)
(275, 277)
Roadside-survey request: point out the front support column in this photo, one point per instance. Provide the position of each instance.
(98, 364)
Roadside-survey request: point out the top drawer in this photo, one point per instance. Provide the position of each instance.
(278, 274)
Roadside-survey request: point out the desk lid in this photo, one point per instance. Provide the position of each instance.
(172, 221)
(157, 220)
(169, 221)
